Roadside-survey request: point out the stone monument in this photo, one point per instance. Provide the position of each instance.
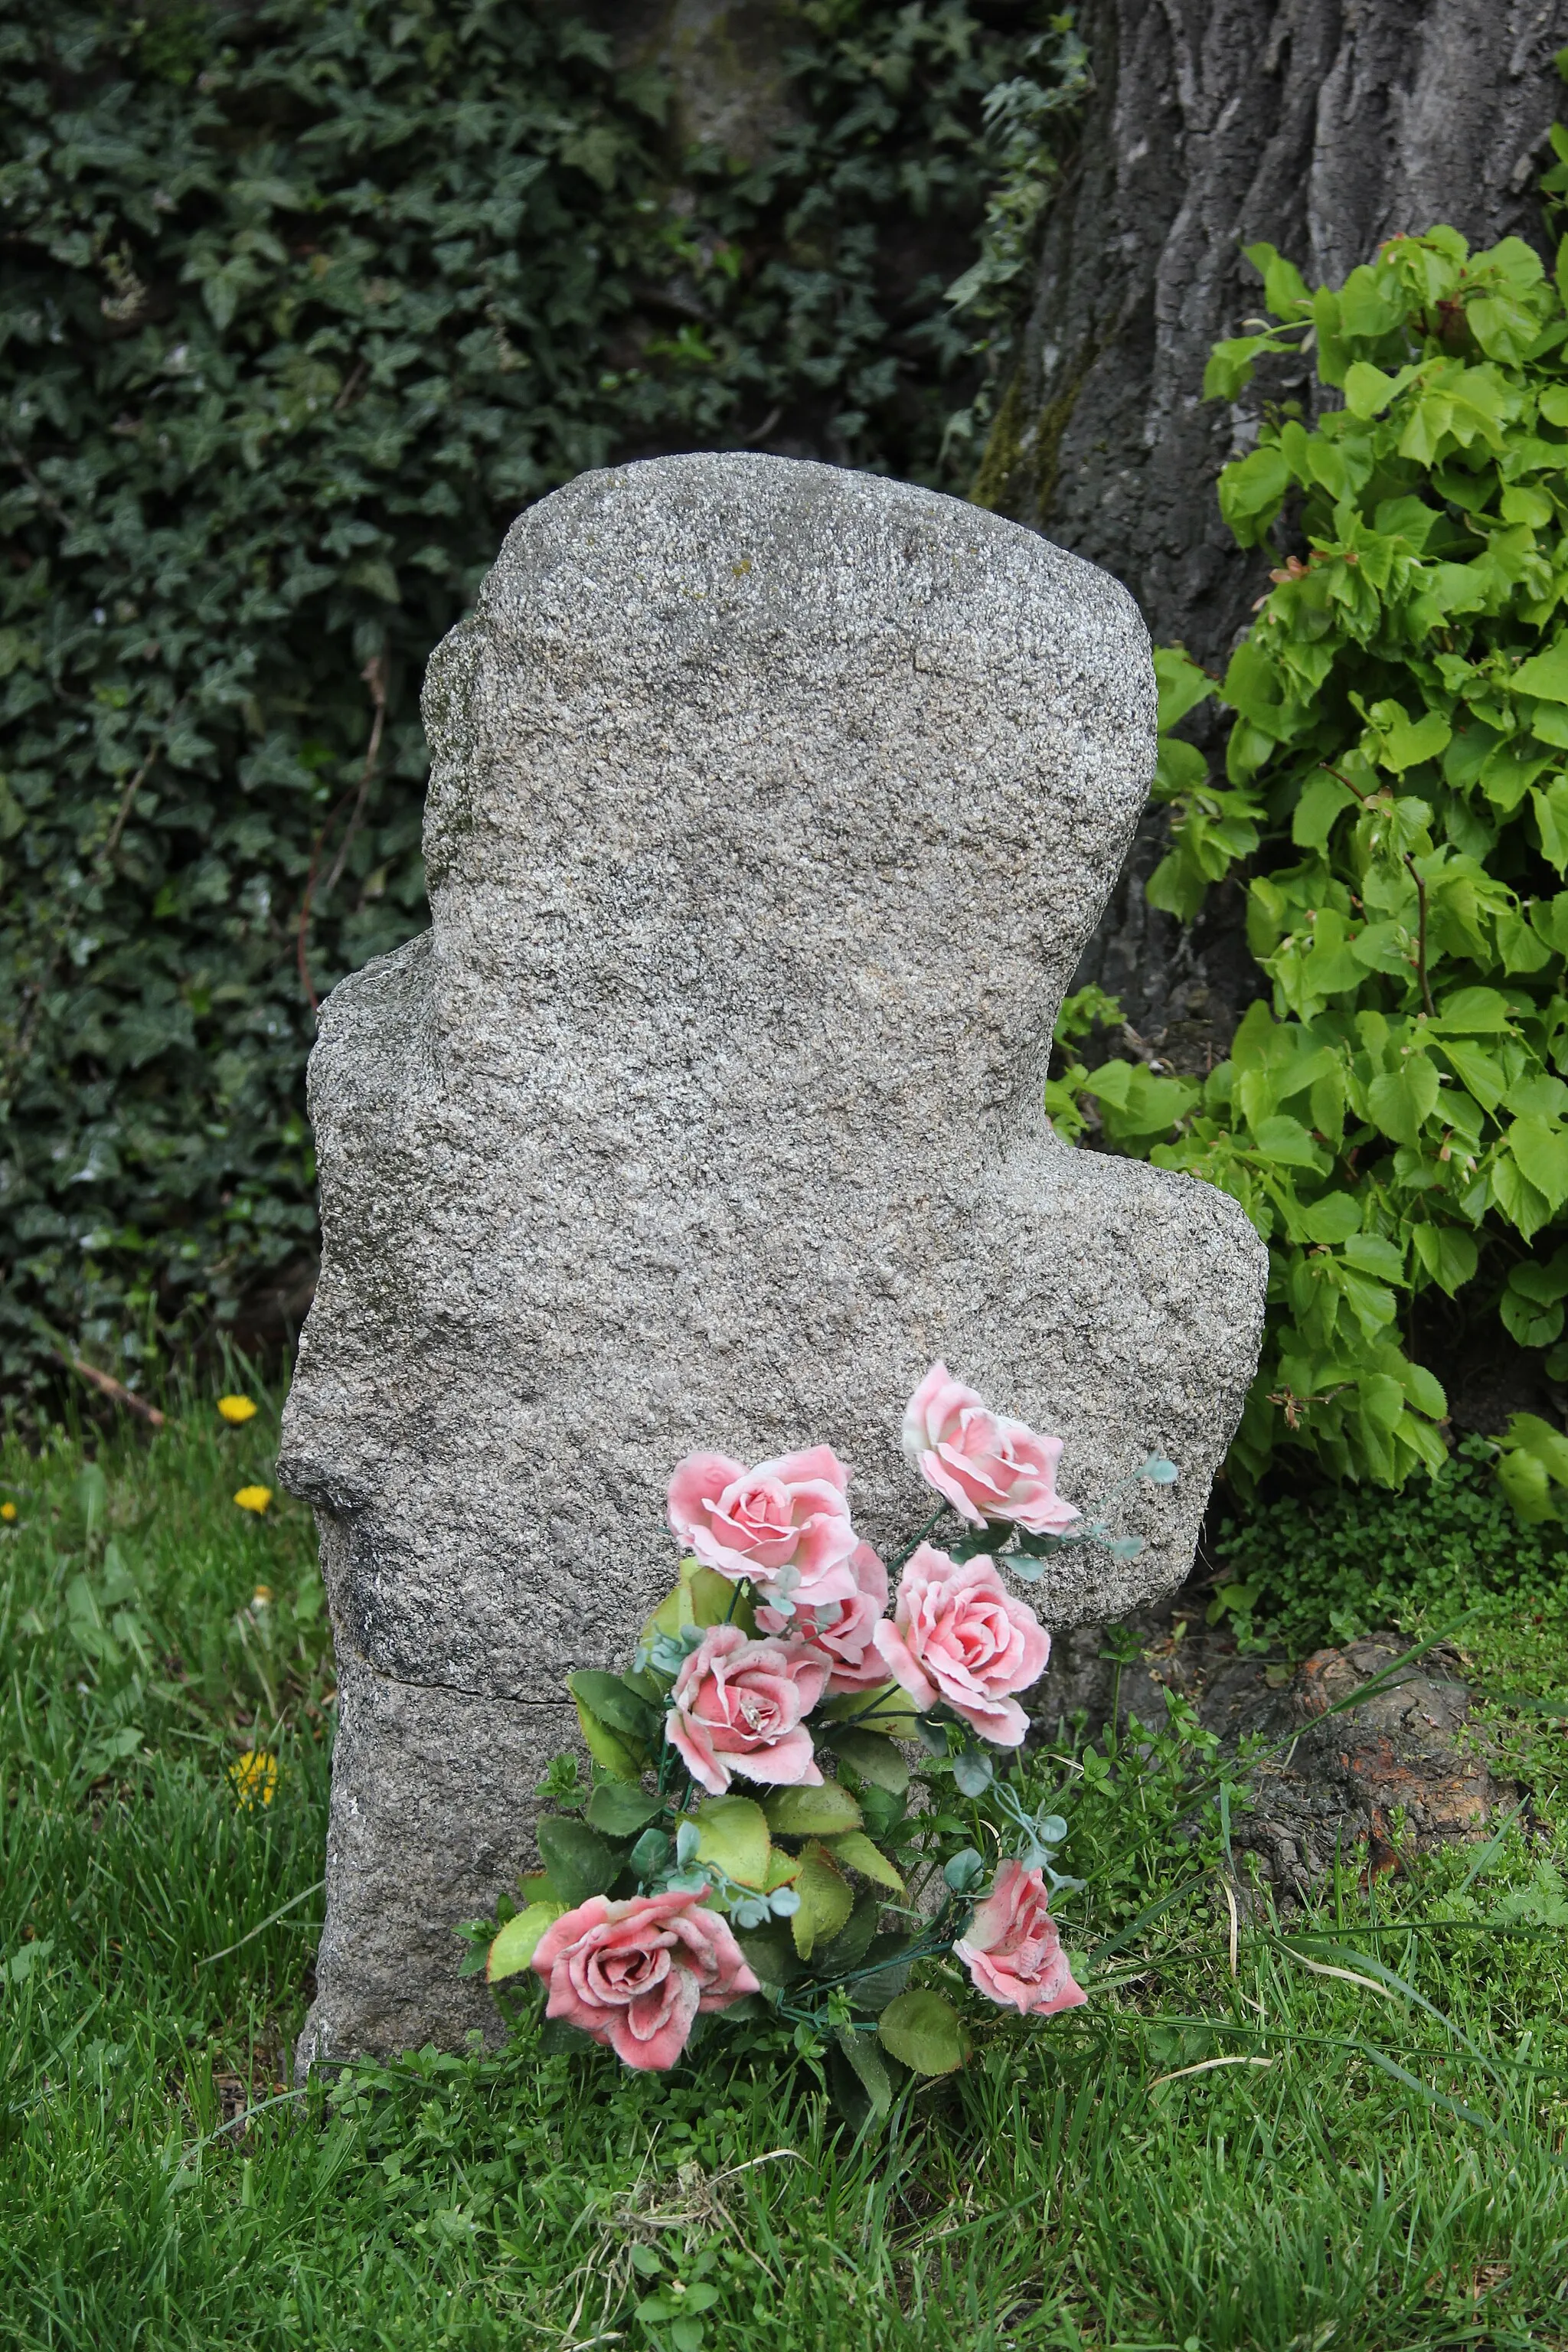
(771, 807)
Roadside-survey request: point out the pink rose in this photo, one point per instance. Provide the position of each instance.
(790, 1513)
(635, 1974)
(737, 1707)
(843, 1630)
(957, 1635)
(987, 1468)
(1013, 1952)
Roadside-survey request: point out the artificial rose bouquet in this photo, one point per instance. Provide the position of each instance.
(776, 1667)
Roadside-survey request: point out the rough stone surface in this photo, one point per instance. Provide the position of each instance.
(771, 807)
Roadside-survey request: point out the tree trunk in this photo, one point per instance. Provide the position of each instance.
(1322, 126)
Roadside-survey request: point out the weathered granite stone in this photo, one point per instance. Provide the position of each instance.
(771, 808)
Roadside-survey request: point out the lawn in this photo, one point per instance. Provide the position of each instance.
(1230, 2145)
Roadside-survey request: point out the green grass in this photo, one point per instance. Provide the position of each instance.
(1393, 2176)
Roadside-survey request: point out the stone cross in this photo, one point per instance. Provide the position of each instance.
(771, 808)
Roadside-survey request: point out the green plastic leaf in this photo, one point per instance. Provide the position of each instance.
(513, 1948)
(889, 1709)
(613, 1703)
(701, 1597)
(856, 1848)
(577, 1860)
(826, 1901)
(619, 1811)
(876, 1759)
(608, 1750)
(924, 2031)
(822, 1812)
(870, 2067)
(732, 1834)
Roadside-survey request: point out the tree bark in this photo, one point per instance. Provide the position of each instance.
(1322, 126)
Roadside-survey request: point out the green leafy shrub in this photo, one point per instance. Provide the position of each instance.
(1393, 1116)
(1301, 1572)
(299, 303)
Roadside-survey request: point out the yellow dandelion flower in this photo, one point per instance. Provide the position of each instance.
(262, 1597)
(236, 1409)
(254, 1498)
(255, 1776)
(7, 1511)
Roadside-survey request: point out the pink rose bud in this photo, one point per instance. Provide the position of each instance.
(788, 1514)
(843, 1630)
(1013, 1952)
(988, 1468)
(737, 1707)
(635, 1974)
(957, 1633)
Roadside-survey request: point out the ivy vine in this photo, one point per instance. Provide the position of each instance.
(299, 303)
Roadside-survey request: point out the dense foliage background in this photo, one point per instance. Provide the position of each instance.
(299, 302)
(1392, 1112)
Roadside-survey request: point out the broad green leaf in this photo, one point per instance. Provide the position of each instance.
(855, 1848)
(1407, 742)
(924, 2031)
(513, 1948)
(1541, 1152)
(1181, 685)
(1323, 800)
(1447, 1253)
(826, 1901)
(1401, 1101)
(1285, 1138)
(1544, 1444)
(576, 1859)
(1372, 1254)
(811, 1813)
(1517, 1197)
(732, 1833)
(875, 1758)
(1252, 491)
(1534, 1320)
(1545, 673)
(1474, 1010)
(1332, 1219)
(1527, 1485)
